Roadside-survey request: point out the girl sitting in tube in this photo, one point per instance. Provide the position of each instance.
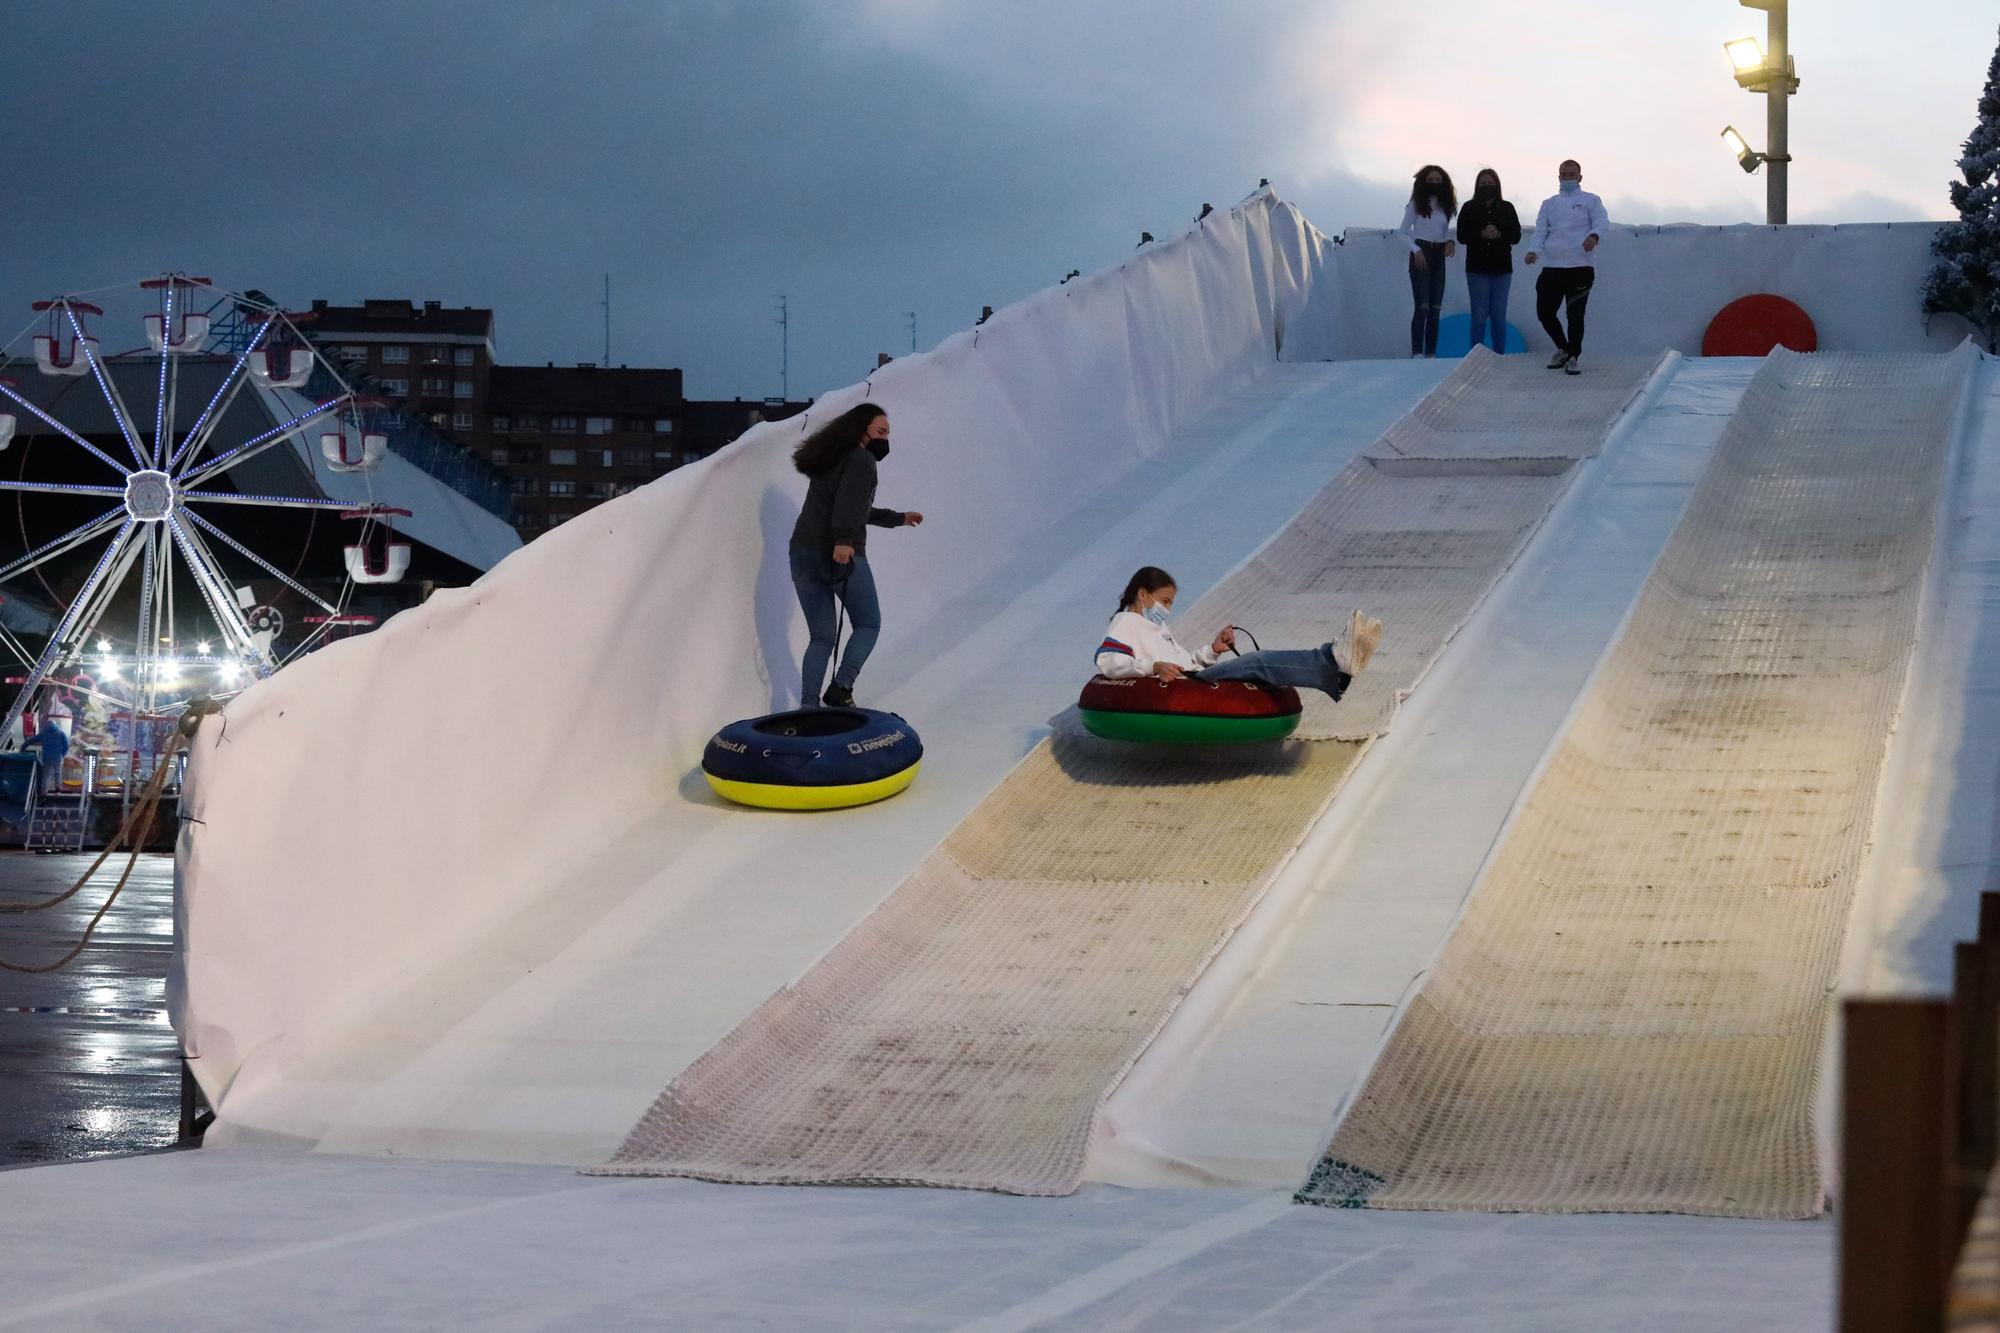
(1138, 644)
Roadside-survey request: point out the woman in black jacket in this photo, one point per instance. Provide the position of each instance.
(830, 543)
(1489, 229)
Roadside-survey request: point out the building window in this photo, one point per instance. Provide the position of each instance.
(528, 424)
(526, 455)
(401, 388)
(461, 421)
(567, 425)
(597, 425)
(562, 458)
(462, 389)
(663, 458)
(560, 518)
(663, 426)
(396, 354)
(527, 486)
(633, 457)
(352, 352)
(501, 424)
(525, 519)
(462, 356)
(635, 426)
(562, 488)
(436, 388)
(437, 419)
(499, 456)
(597, 490)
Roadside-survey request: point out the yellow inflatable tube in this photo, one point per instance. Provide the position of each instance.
(778, 796)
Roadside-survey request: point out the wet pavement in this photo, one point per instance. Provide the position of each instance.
(88, 1065)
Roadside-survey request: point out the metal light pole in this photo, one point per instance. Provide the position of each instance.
(1778, 101)
(1775, 78)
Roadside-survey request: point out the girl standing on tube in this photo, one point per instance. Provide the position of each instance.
(1427, 230)
(829, 547)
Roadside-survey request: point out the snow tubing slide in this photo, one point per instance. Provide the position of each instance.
(1188, 711)
(813, 758)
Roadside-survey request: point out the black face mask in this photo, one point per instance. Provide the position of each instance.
(1488, 191)
(879, 448)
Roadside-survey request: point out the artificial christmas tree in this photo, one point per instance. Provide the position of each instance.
(1965, 280)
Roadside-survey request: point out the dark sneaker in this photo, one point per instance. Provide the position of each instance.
(1570, 367)
(838, 696)
(1560, 361)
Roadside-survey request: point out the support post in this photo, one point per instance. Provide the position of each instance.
(1896, 1210)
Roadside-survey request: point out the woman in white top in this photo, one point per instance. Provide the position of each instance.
(1427, 231)
(1138, 643)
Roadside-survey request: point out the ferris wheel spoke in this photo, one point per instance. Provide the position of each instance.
(110, 391)
(166, 355)
(7, 391)
(260, 562)
(61, 488)
(249, 449)
(268, 501)
(216, 590)
(107, 589)
(232, 383)
(62, 545)
(60, 635)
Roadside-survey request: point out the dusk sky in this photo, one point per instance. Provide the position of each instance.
(871, 157)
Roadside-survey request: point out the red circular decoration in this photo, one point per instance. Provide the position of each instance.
(1754, 325)
(1189, 697)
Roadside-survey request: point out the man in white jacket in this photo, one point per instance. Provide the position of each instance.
(1567, 232)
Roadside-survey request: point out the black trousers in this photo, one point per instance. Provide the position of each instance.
(1426, 295)
(1564, 287)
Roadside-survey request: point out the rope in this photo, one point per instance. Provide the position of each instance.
(141, 817)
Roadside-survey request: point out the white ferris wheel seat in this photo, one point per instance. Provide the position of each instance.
(353, 453)
(191, 331)
(281, 367)
(362, 566)
(52, 359)
(7, 424)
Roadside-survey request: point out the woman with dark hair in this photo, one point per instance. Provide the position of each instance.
(1138, 644)
(830, 543)
(1426, 230)
(1490, 229)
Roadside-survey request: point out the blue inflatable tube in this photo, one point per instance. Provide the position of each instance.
(813, 758)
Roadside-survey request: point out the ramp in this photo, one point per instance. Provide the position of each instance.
(967, 1032)
(1629, 1015)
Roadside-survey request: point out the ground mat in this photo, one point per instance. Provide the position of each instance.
(967, 1031)
(1629, 1014)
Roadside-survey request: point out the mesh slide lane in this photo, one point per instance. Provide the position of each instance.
(1628, 1017)
(967, 1031)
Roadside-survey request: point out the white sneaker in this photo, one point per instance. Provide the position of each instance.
(1356, 645)
(1559, 361)
(1570, 367)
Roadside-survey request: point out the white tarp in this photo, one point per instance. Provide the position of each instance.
(459, 763)
(1658, 287)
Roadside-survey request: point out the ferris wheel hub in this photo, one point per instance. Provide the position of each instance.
(150, 496)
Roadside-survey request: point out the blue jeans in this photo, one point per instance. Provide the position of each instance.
(1301, 668)
(818, 581)
(1488, 292)
(1426, 296)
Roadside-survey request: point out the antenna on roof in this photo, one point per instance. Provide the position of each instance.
(606, 303)
(912, 316)
(785, 343)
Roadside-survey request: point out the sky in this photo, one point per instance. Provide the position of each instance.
(869, 158)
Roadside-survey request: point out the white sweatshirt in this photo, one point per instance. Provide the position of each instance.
(1561, 227)
(1416, 227)
(1133, 645)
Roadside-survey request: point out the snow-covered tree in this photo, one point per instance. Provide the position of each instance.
(1966, 278)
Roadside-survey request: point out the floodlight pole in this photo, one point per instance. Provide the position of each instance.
(1778, 97)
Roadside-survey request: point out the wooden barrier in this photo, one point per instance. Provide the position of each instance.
(1920, 1130)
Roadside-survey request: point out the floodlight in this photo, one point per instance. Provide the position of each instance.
(1746, 157)
(1745, 53)
(104, 645)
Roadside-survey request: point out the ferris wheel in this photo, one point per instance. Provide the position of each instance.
(180, 421)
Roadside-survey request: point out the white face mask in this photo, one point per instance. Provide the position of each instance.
(1157, 613)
